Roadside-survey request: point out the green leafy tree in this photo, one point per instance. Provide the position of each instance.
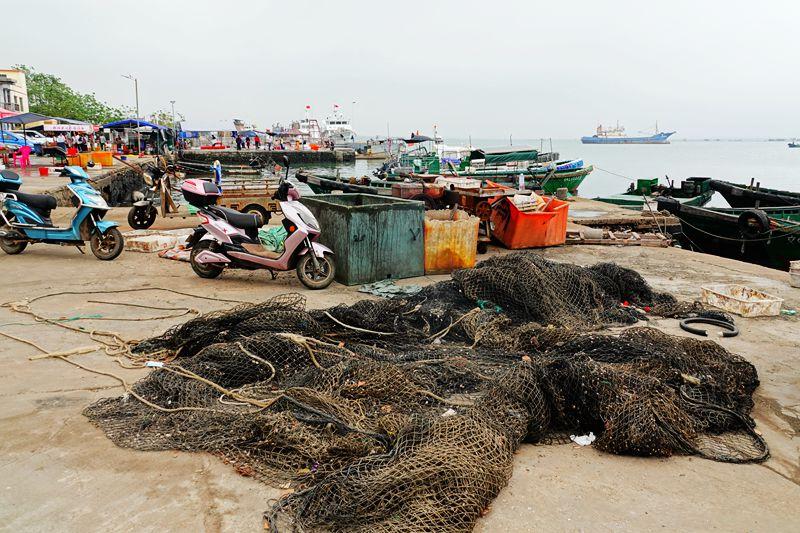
(49, 95)
(164, 118)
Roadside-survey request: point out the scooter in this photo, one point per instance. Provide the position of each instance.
(229, 239)
(25, 218)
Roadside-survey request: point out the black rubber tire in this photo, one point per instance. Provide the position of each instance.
(753, 223)
(7, 245)
(306, 278)
(254, 209)
(730, 329)
(107, 246)
(205, 271)
(13, 248)
(142, 217)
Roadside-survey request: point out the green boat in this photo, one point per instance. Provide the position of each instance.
(501, 165)
(750, 236)
(693, 191)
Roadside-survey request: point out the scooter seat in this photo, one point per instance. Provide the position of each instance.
(40, 202)
(237, 219)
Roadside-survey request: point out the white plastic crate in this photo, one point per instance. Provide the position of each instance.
(742, 300)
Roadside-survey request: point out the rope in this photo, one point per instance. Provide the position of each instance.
(770, 238)
(354, 328)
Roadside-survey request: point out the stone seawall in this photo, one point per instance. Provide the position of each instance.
(243, 157)
(116, 186)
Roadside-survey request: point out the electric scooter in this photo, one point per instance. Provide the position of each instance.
(25, 218)
(229, 239)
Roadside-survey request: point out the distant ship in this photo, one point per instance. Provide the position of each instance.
(617, 136)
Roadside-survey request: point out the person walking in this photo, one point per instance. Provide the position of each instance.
(247, 142)
(257, 142)
(238, 143)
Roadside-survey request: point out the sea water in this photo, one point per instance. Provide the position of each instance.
(771, 163)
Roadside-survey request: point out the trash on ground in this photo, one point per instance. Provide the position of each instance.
(387, 288)
(741, 300)
(583, 440)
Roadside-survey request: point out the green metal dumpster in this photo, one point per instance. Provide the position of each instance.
(373, 237)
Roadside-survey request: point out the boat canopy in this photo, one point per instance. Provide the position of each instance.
(496, 156)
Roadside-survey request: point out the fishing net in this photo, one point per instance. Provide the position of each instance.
(404, 414)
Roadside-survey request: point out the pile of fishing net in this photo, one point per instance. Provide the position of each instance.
(403, 415)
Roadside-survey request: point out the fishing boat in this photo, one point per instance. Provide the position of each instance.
(502, 165)
(617, 135)
(751, 236)
(693, 191)
(738, 195)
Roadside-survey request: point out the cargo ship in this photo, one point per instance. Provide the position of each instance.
(617, 135)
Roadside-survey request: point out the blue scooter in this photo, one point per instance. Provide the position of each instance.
(25, 218)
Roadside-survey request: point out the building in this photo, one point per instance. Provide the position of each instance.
(13, 90)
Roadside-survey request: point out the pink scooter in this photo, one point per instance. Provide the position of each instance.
(229, 239)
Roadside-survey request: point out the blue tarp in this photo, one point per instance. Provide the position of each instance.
(133, 123)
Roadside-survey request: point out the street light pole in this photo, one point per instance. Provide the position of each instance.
(174, 129)
(136, 90)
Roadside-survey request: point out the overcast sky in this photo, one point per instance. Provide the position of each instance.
(486, 69)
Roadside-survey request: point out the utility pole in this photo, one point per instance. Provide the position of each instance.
(136, 90)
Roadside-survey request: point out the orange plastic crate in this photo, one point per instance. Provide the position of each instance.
(535, 229)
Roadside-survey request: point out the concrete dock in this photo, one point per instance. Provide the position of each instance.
(58, 471)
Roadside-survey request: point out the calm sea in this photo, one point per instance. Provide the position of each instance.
(774, 164)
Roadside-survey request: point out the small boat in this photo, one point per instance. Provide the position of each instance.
(746, 196)
(751, 236)
(693, 191)
(794, 144)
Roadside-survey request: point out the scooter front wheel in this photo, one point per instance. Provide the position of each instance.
(107, 246)
(318, 278)
(142, 217)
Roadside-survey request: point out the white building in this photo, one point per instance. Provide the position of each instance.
(13, 90)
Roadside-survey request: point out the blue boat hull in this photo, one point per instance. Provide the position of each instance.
(659, 138)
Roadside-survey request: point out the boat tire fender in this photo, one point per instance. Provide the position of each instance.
(753, 222)
(731, 330)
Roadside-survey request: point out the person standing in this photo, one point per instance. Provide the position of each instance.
(257, 142)
(247, 141)
(238, 143)
(61, 141)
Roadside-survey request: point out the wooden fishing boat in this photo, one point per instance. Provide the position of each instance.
(750, 236)
(693, 191)
(746, 196)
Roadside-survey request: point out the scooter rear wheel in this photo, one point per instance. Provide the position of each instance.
(11, 246)
(207, 270)
(107, 246)
(316, 279)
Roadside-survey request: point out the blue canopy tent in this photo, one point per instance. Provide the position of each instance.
(132, 123)
(24, 119)
(163, 133)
